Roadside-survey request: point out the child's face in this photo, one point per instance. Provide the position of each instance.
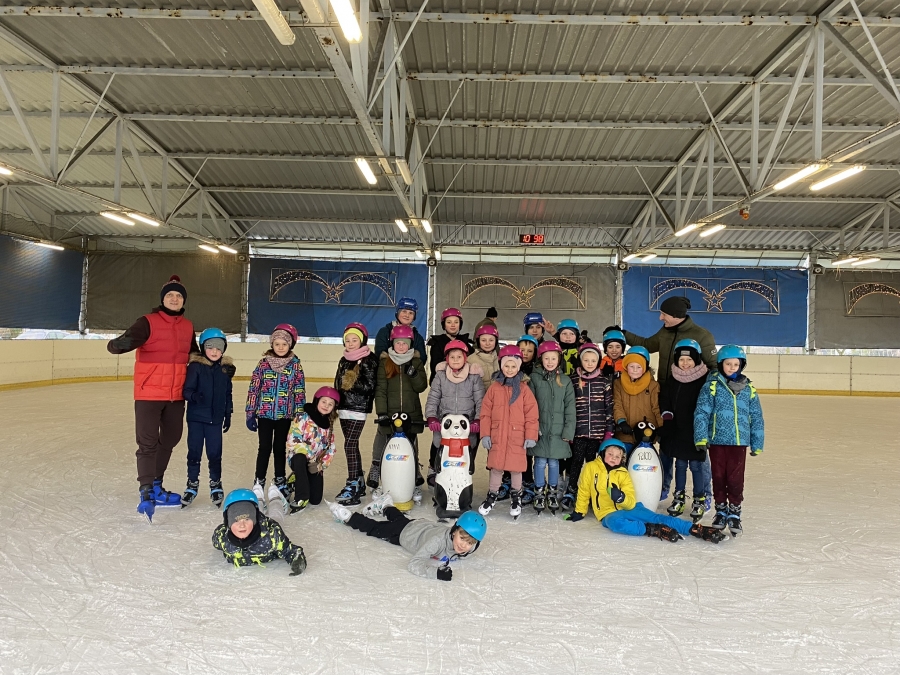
(242, 528)
(685, 362)
(401, 346)
(462, 543)
(173, 301)
(213, 353)
(487, 343)
(510, 367)
(635, 370)
(613, 456)
(326, 405)
(731, 366)
(527, 351)
(456, 359)
(280, 347)
(589, 361)
(536, 330)
(550, 360)
(352, 341)
(614, 350)
(567, 336)
(451, 325)
(405, 317)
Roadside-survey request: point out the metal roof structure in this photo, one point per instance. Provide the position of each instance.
(607, 126)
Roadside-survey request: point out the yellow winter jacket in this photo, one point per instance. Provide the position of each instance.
(594, 486)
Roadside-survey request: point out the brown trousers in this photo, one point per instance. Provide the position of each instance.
(158, 426)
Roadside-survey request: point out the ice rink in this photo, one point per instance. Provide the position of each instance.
(88, 586)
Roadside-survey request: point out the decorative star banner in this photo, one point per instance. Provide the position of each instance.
(861, 291)
(714, 292)
(523, 295)
(334, 287)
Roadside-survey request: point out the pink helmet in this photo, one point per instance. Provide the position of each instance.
(510, 350)
(589, 347)
(330, 392)
(401, 333)
(487, 329)
(457, 344)
(360, 328)
(548, 346)
(289, 329)
(451, 311)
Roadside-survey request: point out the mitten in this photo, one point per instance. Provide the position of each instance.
(411, 370)
(251, 423)
(475, 427)
(434, 424)
(616, 494)
(701, 447)
(607, 435)
(444, 573)
(226, 425)
(529, 444)
(486, 442)
(298, 566)
(573, 517)
(624, 428)
(382, 419)
(754, 453)
(229, 369)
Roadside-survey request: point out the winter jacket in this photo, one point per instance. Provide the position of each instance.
(401, 393)
(489, 363)
(637, 407)
(383, 341)
(593, 406)
(570, 359)
(359, 397)
(556, 409)
(724, 417)
(308, 438)
(594, 485)
(448, 397)
(438, 343)
(677, 434)
(664, 342)
(207, 389)
(164, 341)
(509, 426)
(272, 543)
(427, 541)
(276, 395)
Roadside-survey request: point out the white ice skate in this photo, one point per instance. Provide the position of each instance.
(260, 497)
(417, 496)
(278, 505)
(377, 506)
(340, 512)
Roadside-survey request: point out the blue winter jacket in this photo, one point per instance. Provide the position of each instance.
(724, 417)
(207, 389)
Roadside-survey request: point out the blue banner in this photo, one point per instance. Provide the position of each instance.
(740, 305)
(321, 297)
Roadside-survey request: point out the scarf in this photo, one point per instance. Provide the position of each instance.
(400, 359)
(587, 376)
(737, 382)
(276, 362)
(312, 409)
(457, 376)
(635, 387)
(511, 382)
(166, 310)
(685, 376)
(357, 354)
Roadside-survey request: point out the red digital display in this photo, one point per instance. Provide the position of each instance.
(531, 239)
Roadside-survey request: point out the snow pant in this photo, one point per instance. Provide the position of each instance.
(632, 522)
(728, 462)
(436, 450)
(497, 478)
(698, 476)
(385, 530)
(381, 441)
(272, 441)
(583, 450)
(307, 486)
(210, 434)
(666, 461)
(552, 466)
(352, 430)
(158, 426)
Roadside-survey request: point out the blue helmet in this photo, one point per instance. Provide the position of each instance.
(473, 523)
(407, 303)
(689, 346)
(212, 333)
(532, 318)
(612, 443)
(641, 351)
(569, 324)
(614, 336)
(732, 352)
(239, 495)
(529, 338)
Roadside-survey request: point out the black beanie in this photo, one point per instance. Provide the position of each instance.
(676, 306)
(491, 313)
(174, 284)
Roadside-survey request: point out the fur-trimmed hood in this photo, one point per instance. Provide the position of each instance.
(200, 358)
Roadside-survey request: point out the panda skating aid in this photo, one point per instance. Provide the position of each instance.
(453, 481)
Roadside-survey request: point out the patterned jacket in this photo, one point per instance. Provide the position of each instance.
(724, 417)
(308, 438)
(273, 543)
(593, 406)
(276, 395)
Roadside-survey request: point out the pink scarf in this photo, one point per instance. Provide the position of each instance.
(278, 363)
(357, 354)
(458, 376)
(685, 376)
(588, 376)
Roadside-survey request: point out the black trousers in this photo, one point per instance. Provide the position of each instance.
(306, 485)
(583, 449)
(385, 530)
(158, 426)
(272, 441)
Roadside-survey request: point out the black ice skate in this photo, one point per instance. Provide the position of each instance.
(352, 493)
(190, 492)
(734, 520)
(568, 500)
(663, 532)
(721, 517)
(677, 506)
(515, 504)
(540, 499)
(552, 499)
(707, 533)
(698, 508)
(216, 493)
(527, 493)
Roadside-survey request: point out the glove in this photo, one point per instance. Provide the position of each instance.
(298, 567)
(667, 416)
(607, 435)
(434, 424)
(197, 397)
(486, 442)
(382, 419)
(475, 427)
(251, 423)
(624, 428)
(313, 466)
(529, 444)
(616, 494)
(226, 425)
(701, 447)
(229, 370)
(444, 573)
(754, 453)
(573, 517)
(411, 370)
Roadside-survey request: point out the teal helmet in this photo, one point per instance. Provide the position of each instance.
(569, 324)
(210, 333)
(529, 338)
(614, 336)
(641, 351)
(688, 347)
(732, 352)
(239, 495)
(473, 523)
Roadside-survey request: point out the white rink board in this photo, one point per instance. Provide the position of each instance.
(813, 586)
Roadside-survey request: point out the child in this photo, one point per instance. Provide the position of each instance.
(728, 419)
(277, 392)
(207, 389)
(635, 396)
(486, 353)
(249, 538)
(311, 448)
(451, 323)
(593, 416)
(426, 540)
(569, 340)
(556, 408)
(536, 326)
(678, 400)
(401, 378)
(510, 417)
(407, 308)
(606, 486)
(528, 345)
(614, 346)
(457, 389)
(355, 380)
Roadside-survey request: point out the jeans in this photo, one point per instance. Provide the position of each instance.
(707, 477)
(211, 434)
(632, 522)
(666, 462)
(553, 470)
(697, 474)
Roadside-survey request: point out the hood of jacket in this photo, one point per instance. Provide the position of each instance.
(200, 358)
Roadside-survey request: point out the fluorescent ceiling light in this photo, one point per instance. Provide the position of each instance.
(227, 249)
(5, 172)
(687, 228)
(366, 170)
(207, 247)
(112, 215)
(831, 180)
(864, 261)
(401, 225)
(437, 253)
(144, 219)
(648, 258)
(404, 170)
(276, 21)
(844, 261)
(713, 230)
(347, 18)
(55, 247)
(419, 253)
(630, 256)
(426, 225)
(800, 175)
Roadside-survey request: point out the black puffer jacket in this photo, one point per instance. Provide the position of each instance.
(436, 346)
(359, 397)
(677, 434)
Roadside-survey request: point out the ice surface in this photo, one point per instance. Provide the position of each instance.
(87, 586)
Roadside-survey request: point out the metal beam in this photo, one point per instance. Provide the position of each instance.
(861, 65)
(23, 124)
(168, 71)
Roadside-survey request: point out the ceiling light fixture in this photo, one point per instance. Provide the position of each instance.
(401, 225)
(118, 217)
(648, 258)
(844, 261)
(831, 180)
(797, 177)
(144, 219)
(712, 230)
(426, 225)
(687, 228)
(630, 256)
(366, 170)
(420, 253)
(404, 170)
(347, 18)
(437, 253)
(227, 249)
(276, 21)
(4, 171)
(45, 244)
(207, 247)
(864, 261)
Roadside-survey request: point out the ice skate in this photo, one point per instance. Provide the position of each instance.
(374, 477)
(734, 520)
(377, 506)
(515, 504)
(352, 493)
(698, 508)
(340, 512)
(162, 497)
(432, 477)
(278, 505)
(147, 505)
(663, 532)
(417, 496)
(568, 500)
(677, 506)
(216, 494)
(190, 492)
(552, 500)
(259, 491)
(664, 495)
(503, 492)
(527, 493)
(721, 517)
(707, 533)
(540, 499)
(488, 503)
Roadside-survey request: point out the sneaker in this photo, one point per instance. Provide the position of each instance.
(377, 506)
(162, 497)
(417, 495)
(374, 477)
(341, 513)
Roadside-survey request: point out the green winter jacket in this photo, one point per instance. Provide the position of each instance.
(401, 394)
(556, 414)
(664, 342)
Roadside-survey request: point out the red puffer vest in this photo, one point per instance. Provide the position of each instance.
(161, 362)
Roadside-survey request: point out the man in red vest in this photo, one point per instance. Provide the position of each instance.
(164, 340)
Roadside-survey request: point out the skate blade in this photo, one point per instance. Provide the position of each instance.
(736, 534)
